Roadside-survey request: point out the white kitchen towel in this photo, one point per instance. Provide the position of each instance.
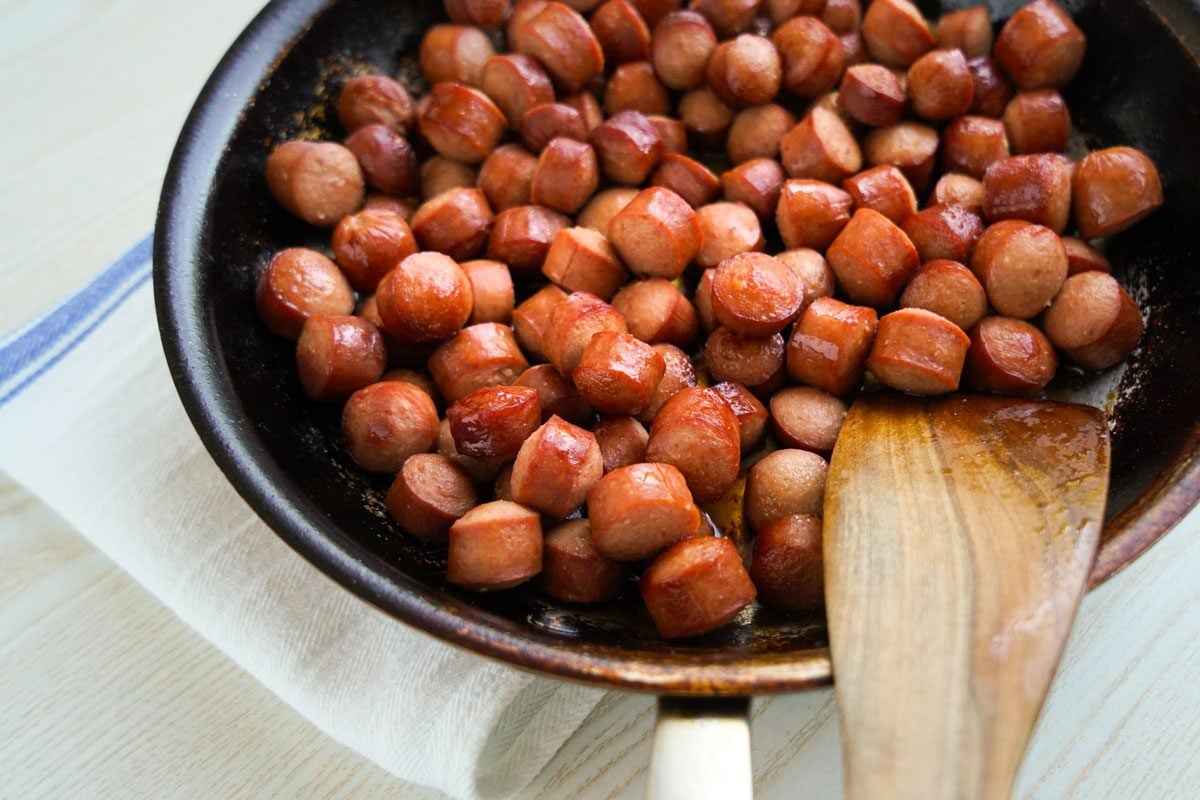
(91, 424)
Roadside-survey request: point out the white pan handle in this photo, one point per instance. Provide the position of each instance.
(701, 750)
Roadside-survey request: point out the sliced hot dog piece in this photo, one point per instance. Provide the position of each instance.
(812, 213)
(455, 53)
(494, 546)
(622, 441)
(820, 147)
(628, 147)
(656, 312)
(492, 290)
(750, 412)
(1021, 265)
(557, 395)
(461, 123)
(944, 232)
(948, 289)
(319, 182)
(429, 494)
(300, 283)
(1093, 320)
(696, 586)
(756, 131)
(1040, 46)
(872, 258)
(970, 144)
(969, 30)
(543, 123)
(1037, 122)
(369, 243)
(427, 297)
(697, 432)
(515, 83)
(940, 85)
(909, 146)
(456, 222)
(743, 359)
(680, 374)
(618, 373)
(813, 271)
(374, 100)
(919, 352)
(635, 87)
(807, 418)
(783, 483)
(573, 570)
(884, 189)
(638, 510)
(492, 422)
(389, 163)
(479, 355)
(1035, 188)
(1114, 189)
(506, 175)
(1082, 257)
(830, 344)
(556, 468)
(787, 569)
(992, 89)
(566, 175)
(812, 56)
(582, 260)
(337, 356)
(895, 32)
(755, 294)
(745, 71)
(681, 45)
(957, 189)
(726, 229)
(563, 42)
(385, 423)
(657, 233)
(1009, 355)
(623, 34)
(531, 319)
(755, 183)
(687, 178)
(872, 94)
(573, 322)
(482, 473)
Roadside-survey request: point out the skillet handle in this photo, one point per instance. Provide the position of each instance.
(701, 750)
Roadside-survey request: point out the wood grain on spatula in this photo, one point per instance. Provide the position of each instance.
(959, 534)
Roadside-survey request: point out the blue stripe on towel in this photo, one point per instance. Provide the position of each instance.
(27, 354)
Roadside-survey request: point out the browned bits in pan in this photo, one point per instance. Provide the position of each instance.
(948, 289)
(506, 175)
(872, 94)
(385, 423)
(1114, 189)
(940, 85)
(1040, 46)
(639, 509)
(369, 244)
(944, 232)
(884, 189)
(756, 132)
(621, 31)
(622, 441)
(374, 99)
(542, 123)
(1009, 355)
(1035, 188)
(909, 146)
(895, 32)
(582, 260)
(461, 123)
(727, 229)
(491, 290)
(336, 356)
(1082, 257)
(563, 42)
(811, 55)
(957, 189)
(992, 89)
(573, 570)
(755, 294)
(681, 46)
(656, 312)
(756, 183)
(300, 283)
(387, 160)
(1093, 320)
(820, 147)
(516, 83)
(807, 418)
(971, 144)
(706, 118)
(456, 222)
(787, 568)
(1037, 122)
(429, 494)
(687, 178)
(319, 182)
(872, 258)
(557, 466)
(697, 432)
(484, 13)
(479, 355)
(750, 412)
(618, 373)
(812, 213)
(566, 175)
(657, 233)
(604, 206)
(635, 87)
(494, 546)
(783, 483)
(696, 586)
(680, 374)
(830, 344)
(628, 146)
(917, 351)
(440, 174)
(750, 361)
(573, 322)
(1021, 265)
(968, 30)
(455, 53)
(492, 422)
(557, 395)
(522, 235)
(531, 319)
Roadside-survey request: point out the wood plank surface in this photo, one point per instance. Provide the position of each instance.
(106, 695)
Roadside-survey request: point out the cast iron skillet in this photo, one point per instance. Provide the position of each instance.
(217, 226)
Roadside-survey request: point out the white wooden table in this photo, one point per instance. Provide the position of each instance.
(103, 693)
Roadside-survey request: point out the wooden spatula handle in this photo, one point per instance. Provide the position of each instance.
(958, 539)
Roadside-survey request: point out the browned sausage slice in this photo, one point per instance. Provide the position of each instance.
(492, 422)
(556, 468)
(948, 289)
(1114, 189)
(919, 352)
(638, 510)
(573, 570)
(1009, 355)
(787, 568)
(750, 412)
(429, 494)
(618, 373)
(830, 344)
(494, 546)
(755, 294)
(807, 418)
(479, 355)
(697, 432)
(696, 586)
(300, 283)
(783, 483)
(1094, 321)
(427, 297)
(385, 423)
(337, 356)
(872, 258)
(622, 441)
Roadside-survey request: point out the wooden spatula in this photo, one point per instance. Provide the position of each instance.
(959, 534)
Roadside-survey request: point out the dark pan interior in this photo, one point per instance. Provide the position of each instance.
(1140, 86)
